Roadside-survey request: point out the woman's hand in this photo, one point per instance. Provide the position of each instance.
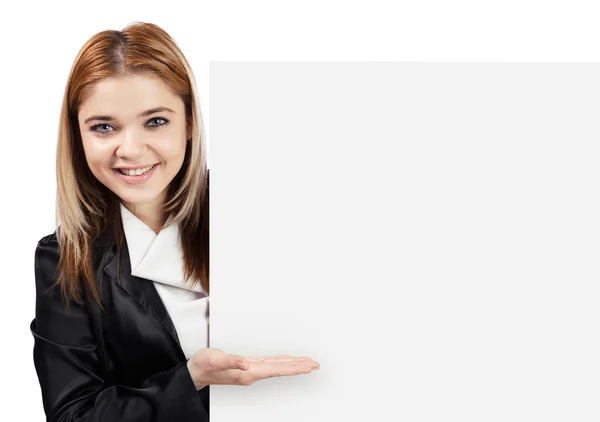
(209, 366)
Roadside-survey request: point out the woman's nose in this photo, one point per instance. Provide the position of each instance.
(131, 145)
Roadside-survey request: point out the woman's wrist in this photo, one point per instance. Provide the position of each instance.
(195, 375)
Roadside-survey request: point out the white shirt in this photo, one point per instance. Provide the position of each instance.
(159, 258)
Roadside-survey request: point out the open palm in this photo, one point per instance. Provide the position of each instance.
(210, 366)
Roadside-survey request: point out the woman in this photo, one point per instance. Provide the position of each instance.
(121, 325)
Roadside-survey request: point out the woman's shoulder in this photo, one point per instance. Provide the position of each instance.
(49, 239)
(48, 249)
(47, 256)
(48, 246)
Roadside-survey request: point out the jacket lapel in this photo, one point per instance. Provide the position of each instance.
(141, 289)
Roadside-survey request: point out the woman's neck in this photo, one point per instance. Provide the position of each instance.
(150, 214)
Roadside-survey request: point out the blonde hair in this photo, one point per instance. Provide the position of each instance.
(85, 207)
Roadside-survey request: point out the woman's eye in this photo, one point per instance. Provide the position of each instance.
(100, 128)
(159, 119)
(106, 128)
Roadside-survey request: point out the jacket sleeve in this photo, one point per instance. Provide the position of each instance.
(69, 369)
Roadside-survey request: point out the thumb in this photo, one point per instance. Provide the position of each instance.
(238, 362)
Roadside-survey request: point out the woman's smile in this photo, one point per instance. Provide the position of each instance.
(135, 177)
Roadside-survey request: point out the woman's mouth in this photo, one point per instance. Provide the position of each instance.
(136, 176)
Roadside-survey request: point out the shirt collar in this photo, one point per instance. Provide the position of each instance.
(155, 257)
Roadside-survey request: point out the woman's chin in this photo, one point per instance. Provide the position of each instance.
(138, 199)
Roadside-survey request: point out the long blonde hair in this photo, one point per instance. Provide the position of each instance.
(85, 207)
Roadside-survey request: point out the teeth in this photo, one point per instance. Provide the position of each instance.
(136, 172)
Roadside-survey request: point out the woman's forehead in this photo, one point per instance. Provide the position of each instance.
(128, 96)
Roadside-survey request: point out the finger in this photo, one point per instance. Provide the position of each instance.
(282, 358)
(281, 370)
(289, 370)
(310, 363)
(275, 357)
(238, 362)
(313, 364)
(223, 361)
(287, 360)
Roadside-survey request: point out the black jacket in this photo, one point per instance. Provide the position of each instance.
(123, 364)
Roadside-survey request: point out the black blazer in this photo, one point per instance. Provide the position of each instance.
(123, 364)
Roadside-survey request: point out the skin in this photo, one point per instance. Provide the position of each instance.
(212, 366)
(128, 139)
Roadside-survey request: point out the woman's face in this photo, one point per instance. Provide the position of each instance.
(129, 124)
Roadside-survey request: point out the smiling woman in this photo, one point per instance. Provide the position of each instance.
(121, 323)
(133, 151)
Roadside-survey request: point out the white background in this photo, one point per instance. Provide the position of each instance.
(539, 296)
(429, 232)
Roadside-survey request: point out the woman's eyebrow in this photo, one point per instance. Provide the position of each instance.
(145, 113)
